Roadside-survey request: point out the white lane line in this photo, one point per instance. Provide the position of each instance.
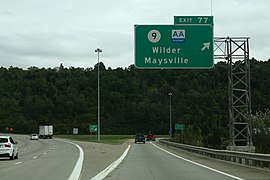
(75, 175)
(111, 167)
(35, 157)
(206, 167)
(17, 163)
(78, 167)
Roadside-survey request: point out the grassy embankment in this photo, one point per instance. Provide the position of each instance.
(108, 139)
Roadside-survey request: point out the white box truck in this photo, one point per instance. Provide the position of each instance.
(46, 131)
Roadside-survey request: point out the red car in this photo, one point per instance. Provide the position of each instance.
(150, 137)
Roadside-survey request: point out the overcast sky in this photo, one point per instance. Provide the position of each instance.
(45, 33)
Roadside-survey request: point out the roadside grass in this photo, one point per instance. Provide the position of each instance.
(107, 139)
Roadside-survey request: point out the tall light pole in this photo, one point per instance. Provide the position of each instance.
(170, 94)
(98, 50)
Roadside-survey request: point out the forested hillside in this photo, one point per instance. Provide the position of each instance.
(132, 100)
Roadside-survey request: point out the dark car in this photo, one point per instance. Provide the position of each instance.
(150, 137)
(139, 138)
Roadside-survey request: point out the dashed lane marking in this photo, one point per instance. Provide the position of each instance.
(18, 163)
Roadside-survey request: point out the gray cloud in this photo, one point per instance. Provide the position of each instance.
(46, 33)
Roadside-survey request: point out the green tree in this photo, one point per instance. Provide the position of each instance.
(261, 128)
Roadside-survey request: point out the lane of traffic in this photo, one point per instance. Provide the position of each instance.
(145, 161)
(227, 167)
(29, 148)
(41, 159)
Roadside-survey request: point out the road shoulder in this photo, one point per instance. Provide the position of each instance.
(244, 172)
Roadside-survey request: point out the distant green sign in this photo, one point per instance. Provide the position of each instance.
(92, 128)
(180, 127)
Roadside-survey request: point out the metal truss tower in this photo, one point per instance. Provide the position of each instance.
(236, 52)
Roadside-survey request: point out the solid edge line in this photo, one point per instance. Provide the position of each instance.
(206, 167)
(111, 167)
(75, 175)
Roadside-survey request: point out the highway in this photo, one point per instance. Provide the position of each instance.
(55, 159)
(40, 159)
(152, 162)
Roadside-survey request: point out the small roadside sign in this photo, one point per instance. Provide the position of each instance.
(75, 131)
(180, 127)
(92, 128)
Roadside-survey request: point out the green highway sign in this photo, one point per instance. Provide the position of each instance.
(180, 127)
(174, 46)
(92, 128)
(193, 20)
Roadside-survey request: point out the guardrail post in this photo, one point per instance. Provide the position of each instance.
(247, 162)
(261, 164)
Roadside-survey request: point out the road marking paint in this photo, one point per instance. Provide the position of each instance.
(45, 153)
(35, 157)
(75, 175)
(111, 167)
(17, 163)
(206, 167)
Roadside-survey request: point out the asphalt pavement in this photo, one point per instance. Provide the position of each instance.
(41, 159)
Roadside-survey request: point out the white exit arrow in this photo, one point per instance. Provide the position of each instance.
(206, 46)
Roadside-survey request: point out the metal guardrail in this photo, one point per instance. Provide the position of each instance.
(244, 158)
